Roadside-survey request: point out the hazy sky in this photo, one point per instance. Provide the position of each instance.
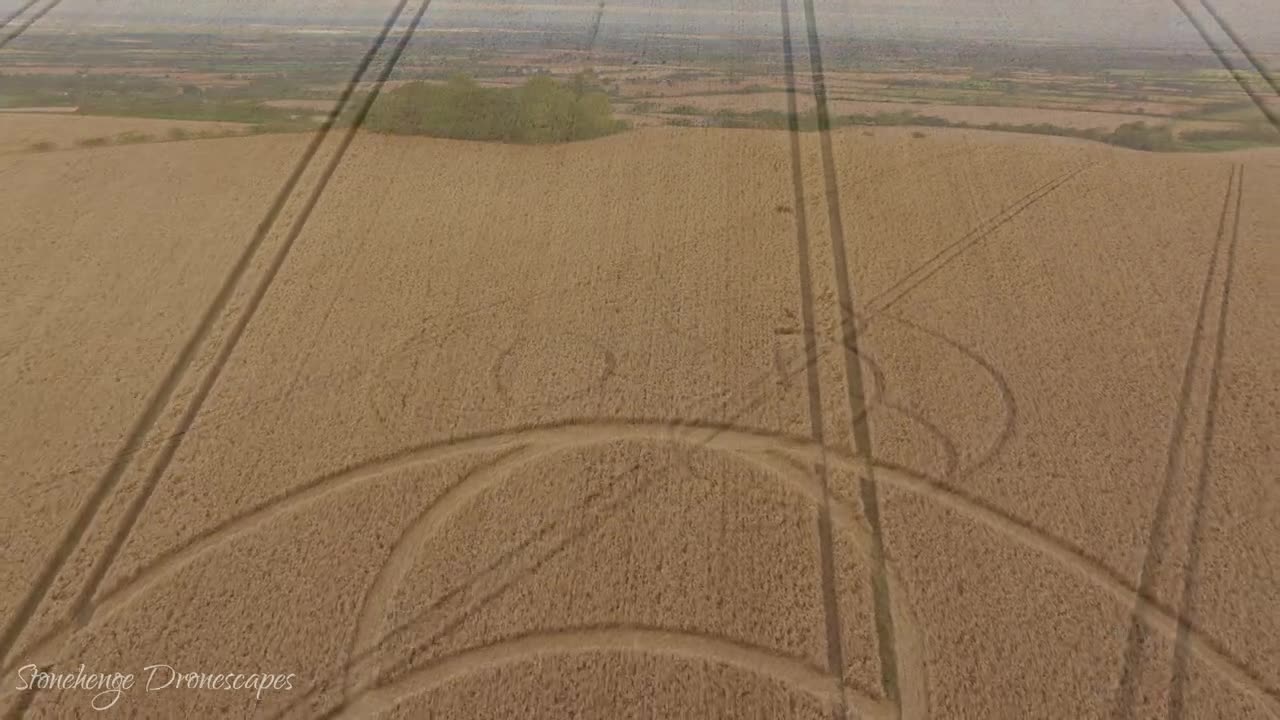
(1120, 22)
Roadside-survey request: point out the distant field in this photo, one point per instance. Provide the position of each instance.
(978, 115)
(1243, 112)
(318, 105)
(175, 75)
(1181, 126)
(37, 109)
(22, 131)
(1123, 107)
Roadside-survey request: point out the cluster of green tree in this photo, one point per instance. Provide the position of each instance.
(543, 110)
(1140, 136)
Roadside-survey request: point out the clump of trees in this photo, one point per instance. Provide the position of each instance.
(1141, 136)
(543, 110)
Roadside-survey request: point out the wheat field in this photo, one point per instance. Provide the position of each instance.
(545, 431)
